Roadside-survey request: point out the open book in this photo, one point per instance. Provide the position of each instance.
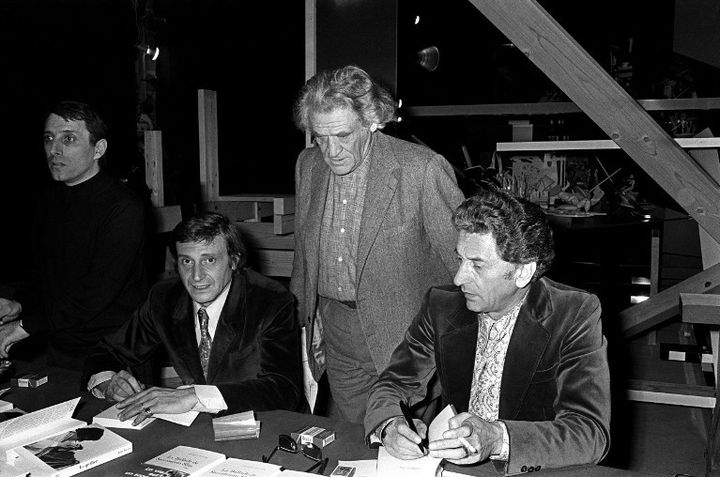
(425, 466)
(49, 442)
(184, 461)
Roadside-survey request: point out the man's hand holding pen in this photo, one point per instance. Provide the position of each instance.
(403, 442)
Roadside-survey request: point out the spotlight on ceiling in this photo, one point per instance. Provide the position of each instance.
(429, 58)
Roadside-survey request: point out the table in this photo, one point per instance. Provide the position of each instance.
(161, 435)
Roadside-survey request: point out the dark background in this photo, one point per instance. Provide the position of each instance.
(251, 53)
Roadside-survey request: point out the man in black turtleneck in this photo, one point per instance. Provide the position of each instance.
(87, 272)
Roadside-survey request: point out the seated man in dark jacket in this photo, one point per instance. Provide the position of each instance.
(521, 357)
(230, 333)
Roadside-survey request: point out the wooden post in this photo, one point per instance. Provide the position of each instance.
(154, 167)
(310, 47)
(208, 134)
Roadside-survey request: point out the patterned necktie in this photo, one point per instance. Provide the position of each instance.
(205, 340)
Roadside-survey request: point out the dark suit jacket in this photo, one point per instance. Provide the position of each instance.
(406, 240)
(255, 354)
(555, 389)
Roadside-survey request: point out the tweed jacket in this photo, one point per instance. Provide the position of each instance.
(406, 241)
(555, 388)
(255, 356)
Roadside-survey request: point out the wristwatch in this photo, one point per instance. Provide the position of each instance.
(376, 437)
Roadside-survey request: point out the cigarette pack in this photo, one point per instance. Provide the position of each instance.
(313, 435)
(33, 380)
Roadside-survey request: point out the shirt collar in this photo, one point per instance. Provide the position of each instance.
(213, 309)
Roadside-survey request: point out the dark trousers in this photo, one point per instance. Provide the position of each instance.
(350, 369)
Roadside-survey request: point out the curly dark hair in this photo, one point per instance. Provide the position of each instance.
(520, 228)
(205, 227)
(348, 87)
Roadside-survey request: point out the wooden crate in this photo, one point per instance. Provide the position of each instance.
(267, 224)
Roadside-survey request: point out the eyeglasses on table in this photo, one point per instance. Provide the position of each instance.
(312, 452)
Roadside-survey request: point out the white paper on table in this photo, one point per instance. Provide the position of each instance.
(389, 466)
(363, 468)
(184, 419)
(109, 418)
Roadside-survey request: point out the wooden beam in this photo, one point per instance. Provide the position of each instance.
(671, 393)
(554, 107)
(208, 137)
(666, 304)
(310, 48)
(589, 86)
(154, 167)
(700, 308)
(598, 144)
(310, 38)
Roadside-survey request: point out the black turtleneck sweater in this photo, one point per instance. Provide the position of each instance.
(87, 272)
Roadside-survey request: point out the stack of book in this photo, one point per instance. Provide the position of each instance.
(236, 426)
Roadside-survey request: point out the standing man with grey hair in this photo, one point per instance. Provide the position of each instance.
(372, 231)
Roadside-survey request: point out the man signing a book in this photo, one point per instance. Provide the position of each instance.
(229, 332)
(521, 357)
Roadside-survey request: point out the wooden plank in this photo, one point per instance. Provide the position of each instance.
(208, 137)
(255, 238)
(598, 144)
(166, 218)
(671, 393)
(154, 167)
(235, 211)
(283, 204)
(589, 86)
(310, 38)
(548, 108)
(258, 227)
(655, 254)
(666, 304)
(275, 263)
(283, 224)
(709, 161)
(700, 308)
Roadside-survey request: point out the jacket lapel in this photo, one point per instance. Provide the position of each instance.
(229, 327)
(527, 345)
(458, 346)
(381, 182)
(183, 332)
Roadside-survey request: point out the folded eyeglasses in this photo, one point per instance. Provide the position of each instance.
(312, 452)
